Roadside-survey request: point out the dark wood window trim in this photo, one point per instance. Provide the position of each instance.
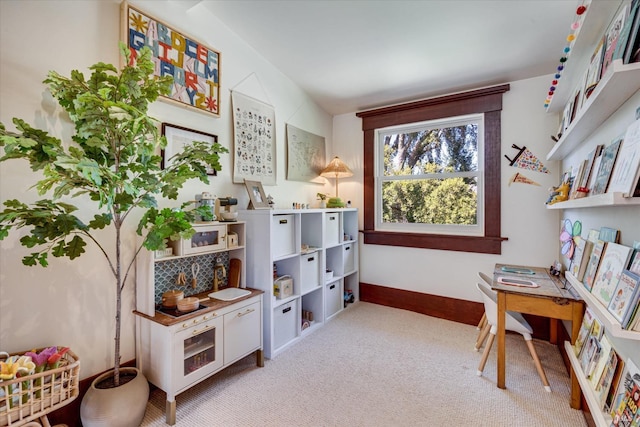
(487, 101)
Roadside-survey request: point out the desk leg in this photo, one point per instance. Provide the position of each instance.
(502, 308)
(577, 311)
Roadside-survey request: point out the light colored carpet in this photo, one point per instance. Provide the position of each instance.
(379, 366)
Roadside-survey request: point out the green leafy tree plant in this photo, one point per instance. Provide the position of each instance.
(112, 161)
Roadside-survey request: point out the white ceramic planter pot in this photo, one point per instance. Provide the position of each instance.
(122, 406)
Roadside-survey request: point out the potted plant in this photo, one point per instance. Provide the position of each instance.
(111, 161)
(323, 199)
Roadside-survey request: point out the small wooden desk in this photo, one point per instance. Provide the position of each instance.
(549, 300)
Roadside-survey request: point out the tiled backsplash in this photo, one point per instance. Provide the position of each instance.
(166, 274)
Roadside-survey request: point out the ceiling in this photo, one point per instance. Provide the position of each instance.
(353, 55)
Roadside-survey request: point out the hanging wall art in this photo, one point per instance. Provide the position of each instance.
(305, 155)
(195, 67)
(254, 151)
(525, 159)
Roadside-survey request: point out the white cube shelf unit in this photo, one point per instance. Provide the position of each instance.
(302, 244)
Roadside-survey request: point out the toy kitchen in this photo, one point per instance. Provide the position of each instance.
(195, 314)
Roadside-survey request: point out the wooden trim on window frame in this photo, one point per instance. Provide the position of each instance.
(487, 101)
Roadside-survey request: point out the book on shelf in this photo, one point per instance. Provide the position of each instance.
(613, 262)
(607, 162)
(626, 172)
(605, 381)
(577, 174)
(585, 329)
(594, 71)
(594, 262)
(633, 42)
(594, 173)
(626, 35)
(581, 257)
(613, 35)
(608, 234)
(634, 264)
(594, 235)
(590, 355)
(634, 320)
(589, 167)
(600, 360)
(630, 378)
(618, 376)
(625, 298)
(628, 409)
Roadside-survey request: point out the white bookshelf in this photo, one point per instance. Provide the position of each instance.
(616, 86)
(599, 417)
(600, 200)
(610, 323)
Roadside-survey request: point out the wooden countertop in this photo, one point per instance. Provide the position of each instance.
(211, 304)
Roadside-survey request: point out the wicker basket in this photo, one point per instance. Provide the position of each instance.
(28, 398)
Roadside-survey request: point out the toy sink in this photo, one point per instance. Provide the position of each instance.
(229, 294)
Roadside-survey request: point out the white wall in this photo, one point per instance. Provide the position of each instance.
(532, 230)
(72, 302)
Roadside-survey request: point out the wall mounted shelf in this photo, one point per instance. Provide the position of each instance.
(600, 200)
(616, 86)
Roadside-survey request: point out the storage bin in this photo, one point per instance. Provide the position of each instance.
(348, 257)
(309, 271)
(283, 241)
(332, 298)
(285, 324)
(283, 287)
(331, 229)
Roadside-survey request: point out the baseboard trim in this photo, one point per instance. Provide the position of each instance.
(456, 310)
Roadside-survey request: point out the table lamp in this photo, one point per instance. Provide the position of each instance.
(336, 169)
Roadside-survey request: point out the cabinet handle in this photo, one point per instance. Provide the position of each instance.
(332, 287)
(284, 221)
(197, 331)
(286, 310)
(332, 218)
(347, 248)
(310, 259)
(249, 310)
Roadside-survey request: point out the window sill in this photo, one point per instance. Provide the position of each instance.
(445, 242)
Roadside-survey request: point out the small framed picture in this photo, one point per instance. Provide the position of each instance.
(256, 195)
(178, 137)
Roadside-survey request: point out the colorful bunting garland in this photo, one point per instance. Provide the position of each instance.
(571, 38)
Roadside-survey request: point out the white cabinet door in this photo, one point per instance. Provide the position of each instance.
(197, 353)
(242, 332)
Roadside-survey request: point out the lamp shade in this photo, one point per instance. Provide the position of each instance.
(336, 169)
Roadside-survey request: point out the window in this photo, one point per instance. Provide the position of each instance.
(429, 177)
(432, 173)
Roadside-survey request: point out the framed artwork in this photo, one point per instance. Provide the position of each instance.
(254, 140)
(305, 155)
(195, 67)
(258, 200)
(178, 137)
